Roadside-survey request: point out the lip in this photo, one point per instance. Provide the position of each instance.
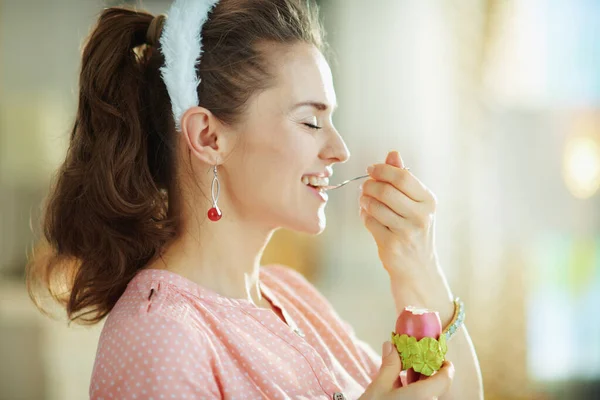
(319, 174)
(323, 196)
(327, 174)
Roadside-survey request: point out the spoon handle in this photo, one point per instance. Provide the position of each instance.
(344, 183)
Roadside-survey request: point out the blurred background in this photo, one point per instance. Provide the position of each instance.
(494, 104)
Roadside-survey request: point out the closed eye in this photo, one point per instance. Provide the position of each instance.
(311, 126)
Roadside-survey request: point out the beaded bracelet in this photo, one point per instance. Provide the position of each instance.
(457, 319)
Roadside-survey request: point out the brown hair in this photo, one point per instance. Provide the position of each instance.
(112, 208)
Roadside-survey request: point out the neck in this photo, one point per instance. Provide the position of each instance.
(222, 256)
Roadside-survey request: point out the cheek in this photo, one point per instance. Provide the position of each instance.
(281, 150)
(270, 162)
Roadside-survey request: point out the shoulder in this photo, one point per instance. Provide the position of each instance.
(155, 310)
(151, 354)
(150, 340)
(146, 329)
(152, 345)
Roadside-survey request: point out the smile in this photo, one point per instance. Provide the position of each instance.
(315, 181)
(315, 185)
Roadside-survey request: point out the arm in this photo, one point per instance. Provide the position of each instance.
(399, 211)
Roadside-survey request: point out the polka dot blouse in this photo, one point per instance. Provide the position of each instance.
(169, 338)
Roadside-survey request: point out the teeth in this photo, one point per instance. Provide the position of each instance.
(315, 181)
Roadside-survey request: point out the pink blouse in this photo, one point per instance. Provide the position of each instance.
(169, 338)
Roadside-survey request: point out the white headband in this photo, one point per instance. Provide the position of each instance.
(181, 45)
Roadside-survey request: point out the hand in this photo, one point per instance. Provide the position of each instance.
(385, 386)
(399, 211)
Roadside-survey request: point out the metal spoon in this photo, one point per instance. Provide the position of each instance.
(343, 183)
(350, 180)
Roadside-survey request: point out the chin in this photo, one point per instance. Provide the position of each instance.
(313, 225)
(316, 229)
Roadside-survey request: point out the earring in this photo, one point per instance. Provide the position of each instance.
(214, 214)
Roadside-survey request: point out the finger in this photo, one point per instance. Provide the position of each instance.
(384, 215)
(434, 386)
(380, 232)
(393, 158)
(391, 365)
(402, 180)
(397, 201)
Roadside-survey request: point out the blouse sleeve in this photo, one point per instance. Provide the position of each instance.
(152, 356)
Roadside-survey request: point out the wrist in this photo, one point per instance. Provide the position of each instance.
(432, 294)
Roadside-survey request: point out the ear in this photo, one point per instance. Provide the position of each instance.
(204, 135)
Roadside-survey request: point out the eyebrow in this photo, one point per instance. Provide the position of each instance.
(315, 104)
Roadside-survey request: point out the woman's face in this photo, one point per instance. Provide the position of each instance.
(279, 146)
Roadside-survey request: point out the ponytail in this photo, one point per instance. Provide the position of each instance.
(107, 214)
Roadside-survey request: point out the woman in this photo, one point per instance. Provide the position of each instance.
(175, 180)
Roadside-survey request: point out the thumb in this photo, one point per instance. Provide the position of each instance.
(390, 367)
(393, 158)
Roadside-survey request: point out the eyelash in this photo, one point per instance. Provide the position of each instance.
(311, 126)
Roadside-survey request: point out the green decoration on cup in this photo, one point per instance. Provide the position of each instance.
(424, 356)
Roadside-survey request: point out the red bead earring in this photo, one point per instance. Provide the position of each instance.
(214, 214)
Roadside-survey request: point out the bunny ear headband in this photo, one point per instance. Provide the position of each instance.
(181, 45)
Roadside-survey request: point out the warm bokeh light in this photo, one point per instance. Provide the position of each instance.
(582, 165)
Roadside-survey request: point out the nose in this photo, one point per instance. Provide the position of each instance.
(335, 150)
